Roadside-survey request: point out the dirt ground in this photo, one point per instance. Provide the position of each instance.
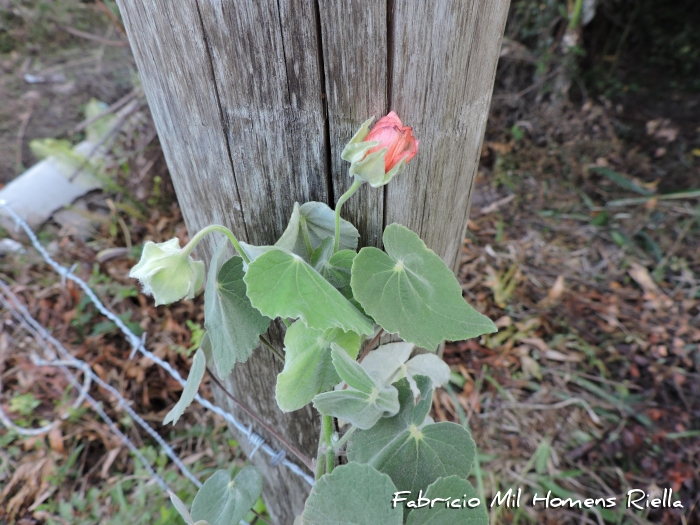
(582, 246)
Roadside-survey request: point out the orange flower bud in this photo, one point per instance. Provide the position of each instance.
(395, 137)
(379, 155)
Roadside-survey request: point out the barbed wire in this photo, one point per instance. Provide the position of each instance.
(137, 343)
(19, 312)
(44, 339)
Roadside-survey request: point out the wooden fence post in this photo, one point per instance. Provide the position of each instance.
(253, 101)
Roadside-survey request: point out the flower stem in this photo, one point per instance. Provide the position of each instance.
(345, 196)
(330, 453)
(326, 454)
(215, 228)
(274, 350)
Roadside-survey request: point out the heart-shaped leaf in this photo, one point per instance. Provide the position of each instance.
(454, 488)
(410, 291)
(321, 256)
(199, 365)
(308, 368)
(234, 326)
(352, 494)
(309, 224)
(281, 284)
(181, 509)
(253, 252)
(390, 362)
(222, 501)
(338, 269)
(365, 403)
(411, 453)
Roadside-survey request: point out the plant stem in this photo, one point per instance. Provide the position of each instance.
(339, 444)
(345, 196)
(320, 456)
(215, 228)
(324, 445)
(371, 344)
(272, 348)
(330, 453)
(301, 457)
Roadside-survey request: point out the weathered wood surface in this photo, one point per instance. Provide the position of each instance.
(254, 100)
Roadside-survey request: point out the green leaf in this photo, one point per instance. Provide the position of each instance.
(314, 221)
(337, 270)
(100, 127)
(234, 326)
(322, 255)
(454, 488)
(308, 368)
(199, 365)
(390, 362)
(362, 405)
(253, 252)
(352, 372)
(222, 501)
(281, 284)
(620, 180)
(411, 453)
(181, 508)
(352, 495)
(410, 291)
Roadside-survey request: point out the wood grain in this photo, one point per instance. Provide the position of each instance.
(355, 62)
(255, 99)
(236, 98)
(446, 55)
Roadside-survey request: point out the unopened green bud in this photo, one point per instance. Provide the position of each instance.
(167, 272)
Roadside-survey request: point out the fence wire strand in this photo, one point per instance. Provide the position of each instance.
(46, 340)
(22, 316)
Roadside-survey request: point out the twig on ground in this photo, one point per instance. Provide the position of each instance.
(113, 18)
(94, 38)
(32, 96)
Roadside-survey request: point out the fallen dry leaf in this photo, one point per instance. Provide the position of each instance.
(554, 293)
(662, 129)
(641, 276)
(56, 440)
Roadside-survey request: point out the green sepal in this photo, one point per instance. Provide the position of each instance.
(357, 147)
(370, 169)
